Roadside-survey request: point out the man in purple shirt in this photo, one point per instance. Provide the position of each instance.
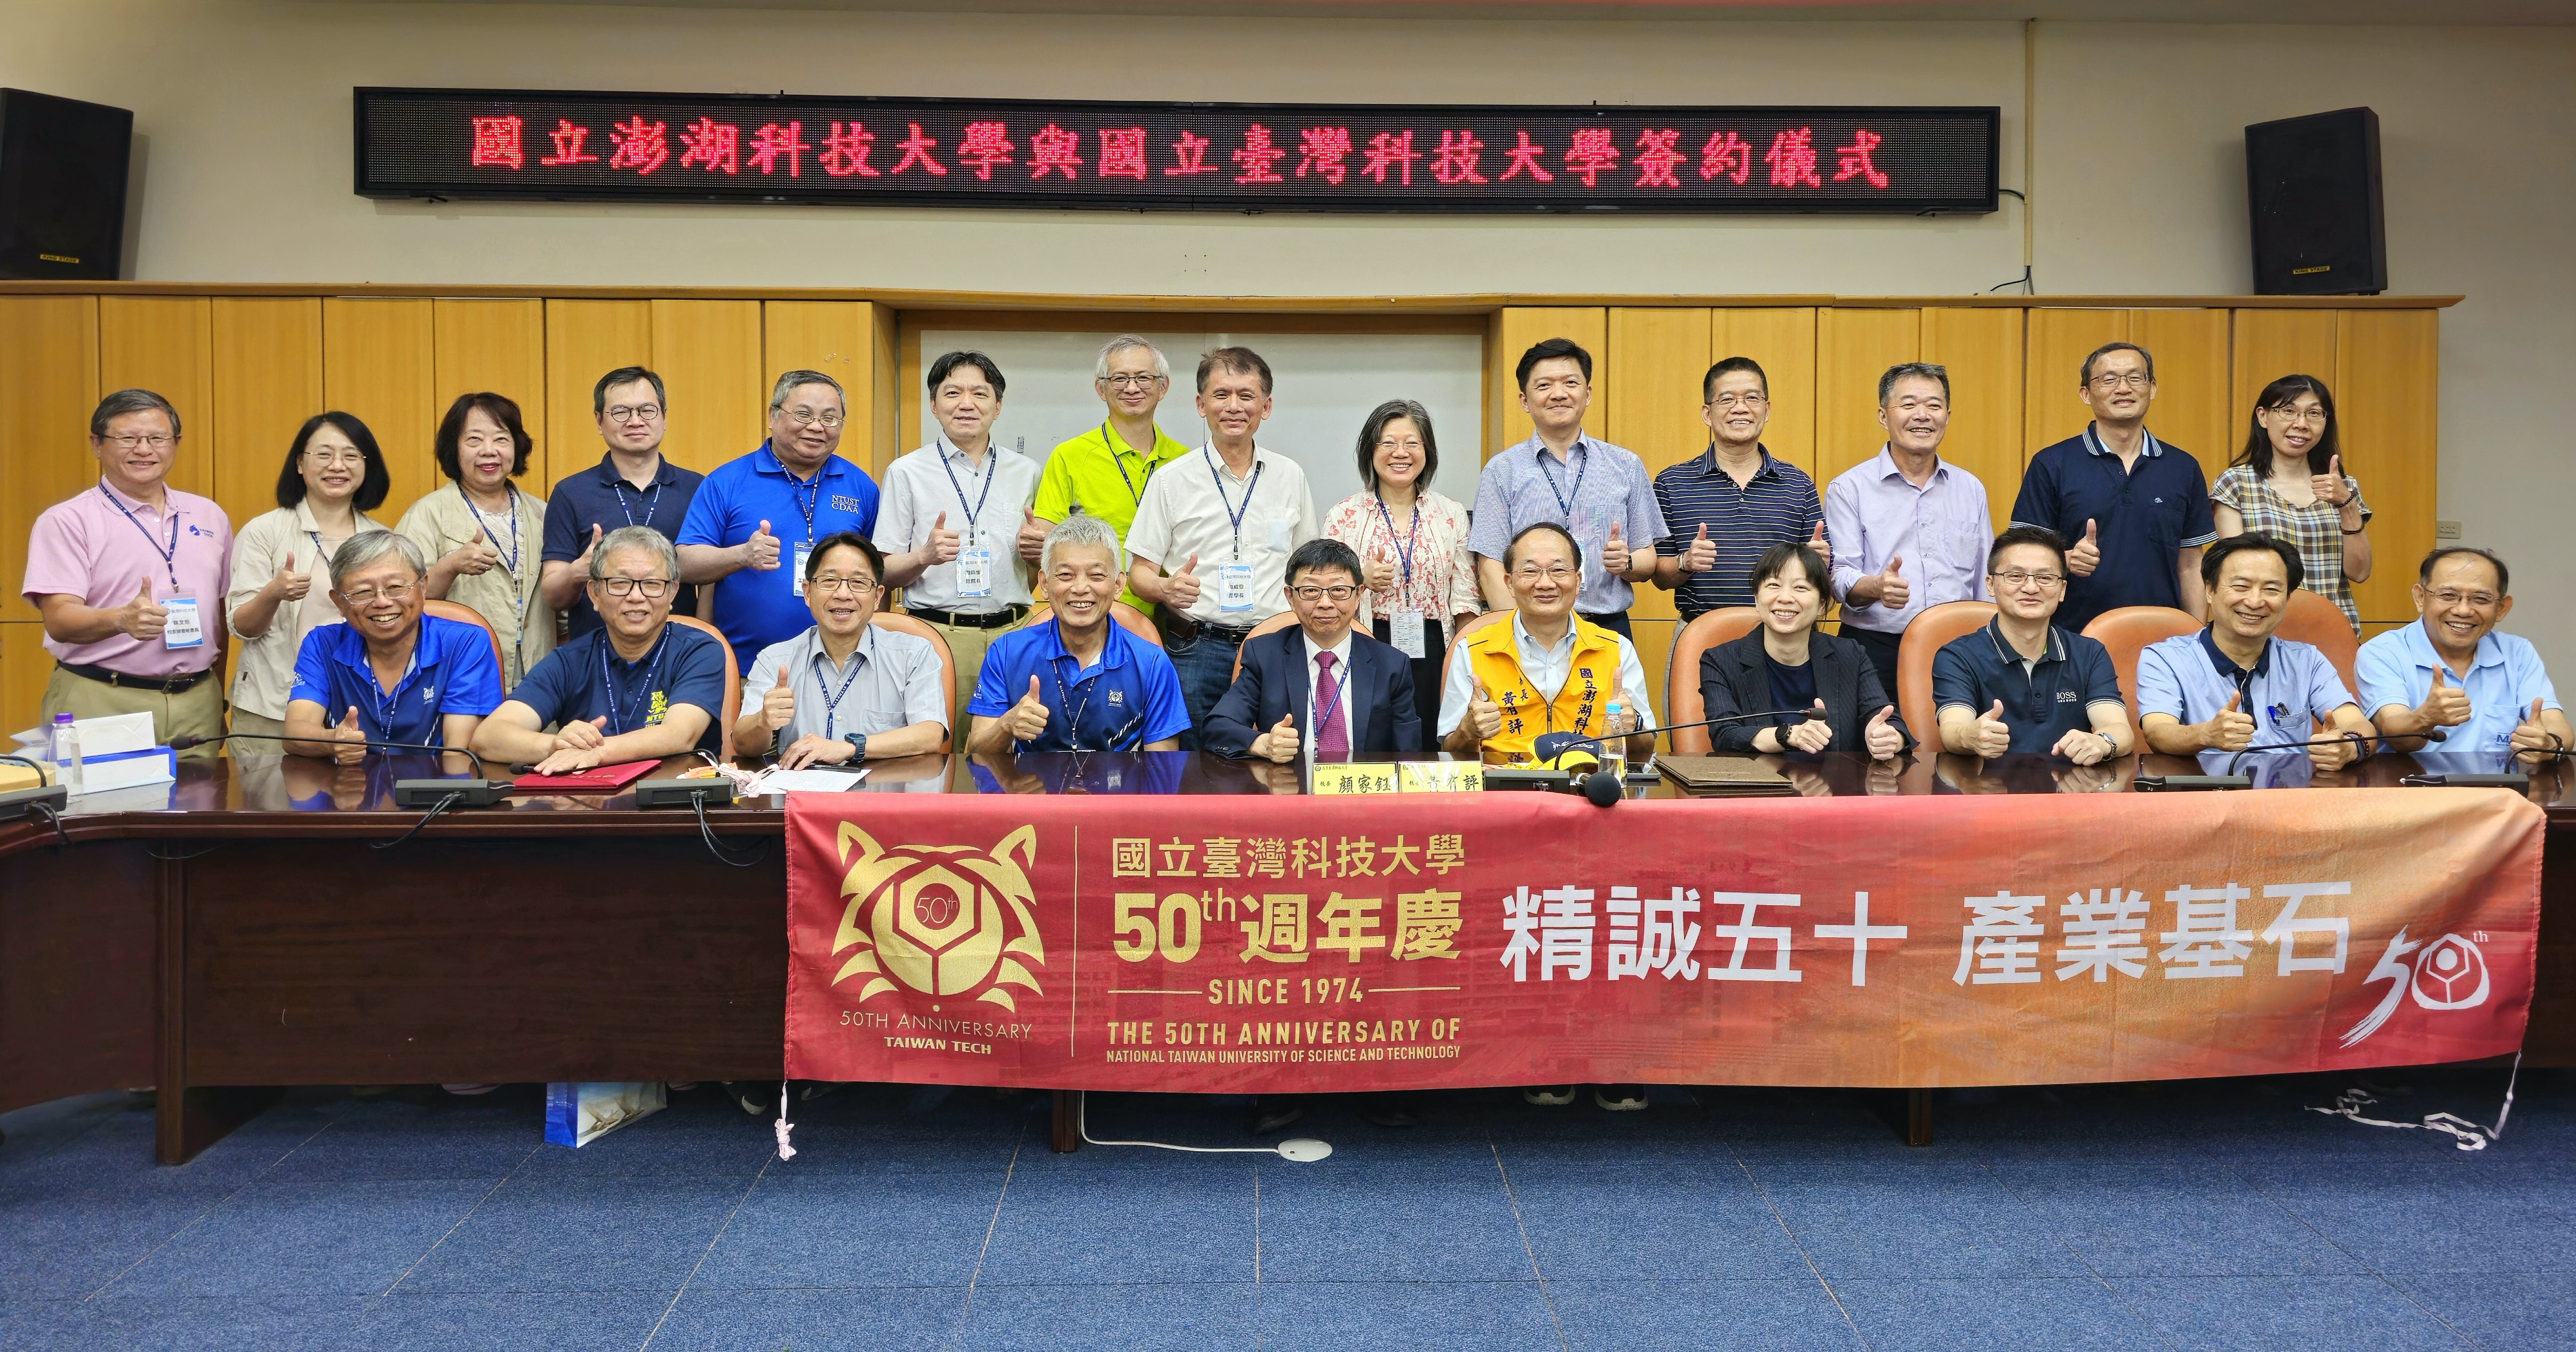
(1908, 531)
(1599, 492)
(129, 575)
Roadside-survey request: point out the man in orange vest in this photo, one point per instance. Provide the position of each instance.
(1549, 670)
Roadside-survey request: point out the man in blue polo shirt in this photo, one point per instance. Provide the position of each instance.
(2453, 671)
(1726, 507)
(2135, 509)
(2234, 686)
(754, 520)
(1077, 682)
(2022, 684)
(401, 676)
(633, 486)
(637, 688)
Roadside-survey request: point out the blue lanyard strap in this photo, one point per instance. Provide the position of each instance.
(388, 701)
(170, 555)
(977, 509)
(808, 496)
(652, 502)
(512, 562)
(1564, 503)
(831, 697)
(1404, 551)
(1234, 514)
(1144, 462)
(618, 707)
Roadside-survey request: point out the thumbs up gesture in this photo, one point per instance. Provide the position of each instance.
(1893, 590)
(2445, 705)
(1483, 714)
(1033, 534)
(1281, 743)
(760, 551)
(1824, 548)
(581, 566)
(2329, 486)
(943, 541)
(778, 707)
(289, 584)
(473, 558)
(1181, 589)
(1881, 737)
(2231, 729)
(1813, 735)
(352, 739)
(2531, 741)
(1027, 719)
(1994, 737)
(1616, 557)
(1701, 554)
(2087, 553)
(141, 618)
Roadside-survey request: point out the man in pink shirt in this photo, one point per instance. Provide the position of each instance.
(129, 576)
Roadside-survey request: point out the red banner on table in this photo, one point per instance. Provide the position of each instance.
(1248, 944)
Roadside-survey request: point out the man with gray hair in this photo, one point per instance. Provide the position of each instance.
(756, 518)
(637, 688)
(1077, 680)
(129, 575)
(1909, 530)
(390, 674)
(1102, 473)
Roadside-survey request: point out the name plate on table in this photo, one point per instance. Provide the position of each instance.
(1398, 777)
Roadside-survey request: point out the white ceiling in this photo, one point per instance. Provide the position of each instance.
(2445, 13)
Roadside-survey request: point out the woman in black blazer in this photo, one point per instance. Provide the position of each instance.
(1786, 664)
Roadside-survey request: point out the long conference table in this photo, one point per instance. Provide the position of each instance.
(272, 921)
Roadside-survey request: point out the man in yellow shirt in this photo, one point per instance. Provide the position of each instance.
(1100, 473)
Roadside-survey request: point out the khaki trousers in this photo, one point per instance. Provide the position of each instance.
(966, 646)
(197, 711)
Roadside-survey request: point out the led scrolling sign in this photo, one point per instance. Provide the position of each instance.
(502, 144)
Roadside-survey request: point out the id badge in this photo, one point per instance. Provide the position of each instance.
(1404, 630)
(975, 573)
(1234, 587)
(187, 627)
(796, 574)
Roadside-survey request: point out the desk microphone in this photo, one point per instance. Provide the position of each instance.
(407, 792)
(1603, 787)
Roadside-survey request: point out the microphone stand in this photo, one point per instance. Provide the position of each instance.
(2231, 779)
(478, 792)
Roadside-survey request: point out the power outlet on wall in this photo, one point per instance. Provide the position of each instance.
(2446, 530)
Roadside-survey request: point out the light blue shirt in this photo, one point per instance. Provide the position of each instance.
(1939, 534)
(2503, 680)
(1597, 485)
(2292, 688)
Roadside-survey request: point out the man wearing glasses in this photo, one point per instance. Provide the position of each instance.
(1549, 670)
(754, 523)
(1102, 473)
(1728, 506)
(2136, 509)
(843, 691)
(2454, 671)
(633, 486)
(1078, 681)
(390, 673)
(1319, 688)
(2023, 684)
(129, 575)
(637, 688)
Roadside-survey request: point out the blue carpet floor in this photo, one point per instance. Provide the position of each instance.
(2212, 1215)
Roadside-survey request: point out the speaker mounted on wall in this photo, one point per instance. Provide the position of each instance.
(2312, 184)
(63, 166)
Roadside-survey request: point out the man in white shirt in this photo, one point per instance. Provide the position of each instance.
(955, 519)
(1212, 537)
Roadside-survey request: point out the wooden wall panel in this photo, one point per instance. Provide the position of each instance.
(885, 393)
(2386, 383)
(1655, 358)
(708, 352)
(2270, 344)
(496, 345)
(25, 666)
(1514, 329)
(2193, 394)
(841, 339)
(268, 380)
(585, 339)
(1783, 340)
(2054, 359)
(1983, 351)
(1853, 349)
(48, 386)
(378, 365)
(166, 344)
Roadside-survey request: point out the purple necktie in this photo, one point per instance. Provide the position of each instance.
(1333, 735)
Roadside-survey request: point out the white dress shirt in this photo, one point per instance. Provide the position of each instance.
(919, 486)
(1185, 511)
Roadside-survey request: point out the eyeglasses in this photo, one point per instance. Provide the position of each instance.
(2298, 415)
(397, 592)
(2480, 600)
(804, 418)
(653, 588)
(129, 441)
(2018, 579)
(327, 459)
(1313, 594)
(1732, 400)
(1404, 444)
(834, 586)
(2112, 380)
(623, 413)
(1124, 381)
(1560, 573)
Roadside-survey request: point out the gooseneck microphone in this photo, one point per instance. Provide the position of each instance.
(479, 792)
(2356, 738)
(1601, 786)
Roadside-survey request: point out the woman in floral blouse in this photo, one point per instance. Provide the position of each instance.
(1412, 541)
(2289, 483)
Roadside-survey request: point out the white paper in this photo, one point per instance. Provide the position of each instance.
(114, 734)
(775, 780)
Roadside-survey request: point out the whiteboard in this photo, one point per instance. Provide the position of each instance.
(1323, 387)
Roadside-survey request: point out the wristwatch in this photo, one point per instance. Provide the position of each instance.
(859, 746)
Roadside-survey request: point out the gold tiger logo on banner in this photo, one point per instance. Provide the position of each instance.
(940, 920)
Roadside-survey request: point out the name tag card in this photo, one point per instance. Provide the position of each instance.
(1340, 779)
(796, 571)
(1234, 587)
(975, 573)
(187, 626)
(1404, 630)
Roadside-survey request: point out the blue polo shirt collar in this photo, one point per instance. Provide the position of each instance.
(1113, 652)
(350, 650)
(2148, 446)
(2006, 653)
(766, 461)
(664, 473)
(1582, 448)
(2226, 665)
(2419, 647)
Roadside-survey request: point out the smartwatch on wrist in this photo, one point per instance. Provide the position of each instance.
(859, 747)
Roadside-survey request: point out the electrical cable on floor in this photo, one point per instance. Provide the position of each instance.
(2464, 1134)
(1302, 1149)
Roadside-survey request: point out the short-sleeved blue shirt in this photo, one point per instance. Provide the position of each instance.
(1132, 697)
(2050, 700)
(586, 679)
(2504, 678)
(453, 671)
(2291, 689)
(603, 498)
(2143, 518)
(755, 607)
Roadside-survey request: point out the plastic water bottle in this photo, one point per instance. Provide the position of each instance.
(67, 753)
(1614, 752)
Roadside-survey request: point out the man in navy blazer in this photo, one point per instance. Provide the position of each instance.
(1365, 686)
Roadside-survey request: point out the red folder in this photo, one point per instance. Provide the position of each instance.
(597, 779)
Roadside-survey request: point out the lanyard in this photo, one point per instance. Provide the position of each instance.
(169, 556)
(511, 564)
(990, 468)
(1234, 514)
(1110, 439)
(652, 501)
(808, 500)
(1074, 710)
(1404, 551)
(618, 708)
(1564, 502)
(831, 697)
(1341, 693)
(389, 701)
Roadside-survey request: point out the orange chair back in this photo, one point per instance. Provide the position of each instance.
(1128, 617)
(1457, 641)
(1682, 701)
(1932, 628)
(465, 614)
(733, 684)
(2316, 620)
(1272, 625)
(2130, 630)
(905, 624)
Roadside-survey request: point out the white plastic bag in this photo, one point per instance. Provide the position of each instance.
(578, 1113)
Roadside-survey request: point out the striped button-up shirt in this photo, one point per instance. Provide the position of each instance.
(1602, 484)
(1776, 506)
(1940, 532)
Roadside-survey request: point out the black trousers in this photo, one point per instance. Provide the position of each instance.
(1616, 621)
(1426, 679)
(1881, 648)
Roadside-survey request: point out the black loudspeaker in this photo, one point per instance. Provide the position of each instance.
(62, 187)
(2313, 185)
